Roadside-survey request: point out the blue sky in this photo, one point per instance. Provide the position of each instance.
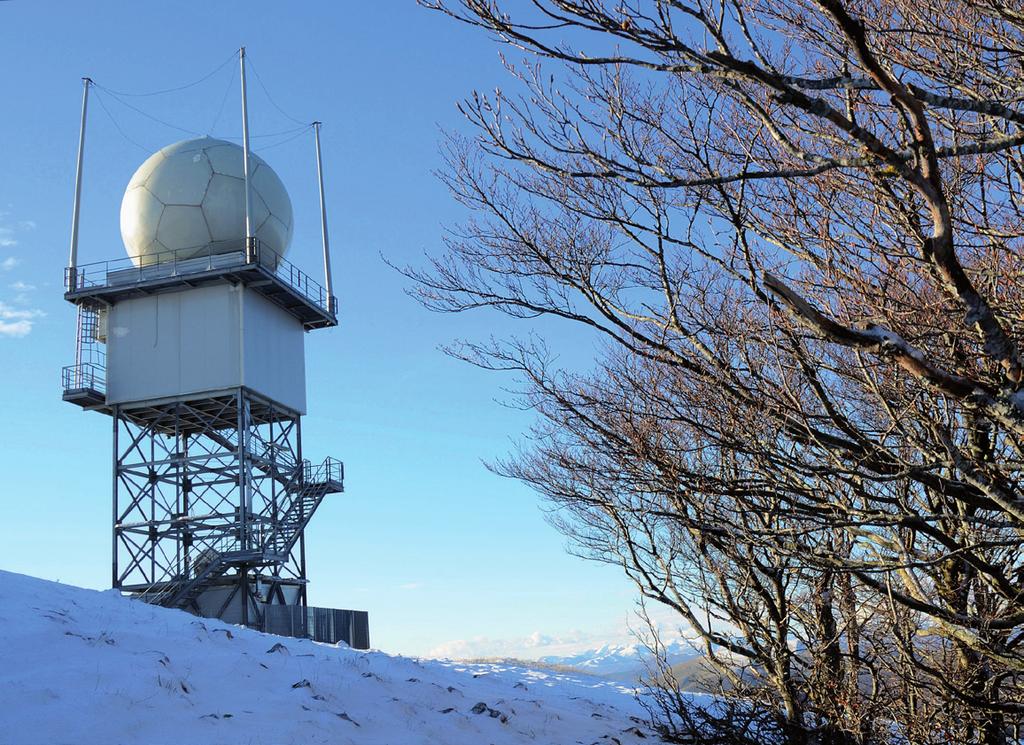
(444, 555)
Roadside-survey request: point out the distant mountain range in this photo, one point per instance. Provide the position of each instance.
(623, 662)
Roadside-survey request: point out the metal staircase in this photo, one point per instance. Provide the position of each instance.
(306, 490)
(184, 593)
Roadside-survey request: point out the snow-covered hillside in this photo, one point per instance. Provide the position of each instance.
(78, 666)
(622, 662)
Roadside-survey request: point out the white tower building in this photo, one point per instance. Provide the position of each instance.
(194, 346)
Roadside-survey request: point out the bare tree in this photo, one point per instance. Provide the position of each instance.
(797, 225)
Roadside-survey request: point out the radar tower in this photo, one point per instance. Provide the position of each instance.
(193, 345)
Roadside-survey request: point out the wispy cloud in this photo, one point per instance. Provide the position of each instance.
(9, 235)
(15, 329)
(8, 313)
(411, 586)
(17, 322)
(24, 290)
(9, 263)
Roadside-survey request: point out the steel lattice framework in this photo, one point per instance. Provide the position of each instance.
(213, 492)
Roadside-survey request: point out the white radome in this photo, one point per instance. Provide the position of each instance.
(188, 200)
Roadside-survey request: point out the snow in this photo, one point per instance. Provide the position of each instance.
(81, 666)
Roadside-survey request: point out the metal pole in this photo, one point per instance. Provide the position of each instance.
(72, 279)
(242, 461)
(114, 579)
(323, 221)
(303, 600)
(243, 498)
(245, 154)
(243, 587)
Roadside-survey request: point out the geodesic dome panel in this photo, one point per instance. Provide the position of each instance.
(189, 198)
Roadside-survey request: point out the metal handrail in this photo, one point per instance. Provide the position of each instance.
(84, 376)
(188, 261)
(331, 469)
(291, 275)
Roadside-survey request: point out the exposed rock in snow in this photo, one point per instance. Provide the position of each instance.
(88, 667)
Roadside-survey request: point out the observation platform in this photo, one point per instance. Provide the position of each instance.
(85, 385)
(259, 268)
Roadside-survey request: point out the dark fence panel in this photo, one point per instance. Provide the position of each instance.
(329, 625)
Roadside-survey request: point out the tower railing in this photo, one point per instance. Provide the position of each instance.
(331, 470)
(85, 376)
(212, 257)
(292, 276)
